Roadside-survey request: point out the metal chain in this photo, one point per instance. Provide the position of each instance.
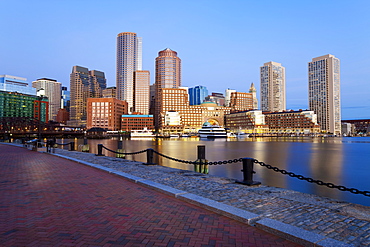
(63, 144)
(311, 180)
(198, 162)
(276, 169)
(139, 152)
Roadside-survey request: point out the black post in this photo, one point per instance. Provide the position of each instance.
(100, 150)
(119, 144)
(201, 167)
(85, 141)
(149, 156)
(71, 146)
(248, 172)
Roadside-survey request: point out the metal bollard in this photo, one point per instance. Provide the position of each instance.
(100, 150)
(200, 167)
(248, 172)
(71, 146)
(149, 156)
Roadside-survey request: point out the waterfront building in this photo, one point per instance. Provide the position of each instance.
(65, 101)
(241, 101)
(253, 91)
(247, 122)
(129, 60)
(62, 116)
(23, 106)
(141, 92)
(361, 126)
(167, 75)
(84, 84)
(217, 98)
(9, 83)
(197, 95)
(136, 122)
(53, 91)
(228, 96)
(109, 92)
(292, 122)
(272, 77)
(105, 113)
(176, 103)
(324, 92)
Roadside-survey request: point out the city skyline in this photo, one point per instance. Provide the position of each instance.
(221, 46)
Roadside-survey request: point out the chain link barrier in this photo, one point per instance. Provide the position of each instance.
(276, 169)
(139, 152)
(311, 180)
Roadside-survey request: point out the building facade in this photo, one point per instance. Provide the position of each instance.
(241, 101)
(324, 92)
(217, 98)
(292, 122)
(53, 90)
(141, 92)
(251, 122)
(273, 96)
(361, 126)
(167, 75)
(9, 83)
(84, 84)
(129, 60)
(105, 113)
(176, 115)
(18, 105)
(136, 122)
(109, 92)
(197, 95)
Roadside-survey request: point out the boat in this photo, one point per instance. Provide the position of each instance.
(211, 131)
(142, 133)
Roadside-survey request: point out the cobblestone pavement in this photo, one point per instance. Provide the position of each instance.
(51, 201)
(345, 222)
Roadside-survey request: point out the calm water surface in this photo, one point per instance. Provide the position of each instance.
(341, 161)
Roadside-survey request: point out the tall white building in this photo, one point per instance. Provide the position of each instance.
(53, 90)
(228, 96)
(129, 60)
(324, 92)
(273, 97)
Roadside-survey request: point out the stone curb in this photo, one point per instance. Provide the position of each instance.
(280, 229)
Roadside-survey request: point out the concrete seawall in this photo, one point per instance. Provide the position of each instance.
(306, 219)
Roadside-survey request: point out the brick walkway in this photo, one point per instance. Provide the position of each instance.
(50, 201)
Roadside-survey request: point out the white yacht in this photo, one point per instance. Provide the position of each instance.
(142, 133)
(211, 131)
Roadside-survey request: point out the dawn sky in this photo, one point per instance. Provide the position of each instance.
(222, 44)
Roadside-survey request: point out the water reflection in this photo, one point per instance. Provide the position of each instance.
(342, 161)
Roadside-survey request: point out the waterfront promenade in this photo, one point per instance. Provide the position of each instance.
(51, 201)
(306, 219)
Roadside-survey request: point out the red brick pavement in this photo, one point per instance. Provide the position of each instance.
(50, 201)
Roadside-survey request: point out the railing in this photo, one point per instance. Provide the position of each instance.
(201, 165)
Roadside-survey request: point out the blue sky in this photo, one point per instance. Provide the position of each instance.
(222, 44)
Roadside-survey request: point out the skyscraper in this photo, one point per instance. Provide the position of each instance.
(84, 84)
(273, 87)
(53, 91)
(167, 75)
(167, 69)
(129, 60)
(197, 95)
(141, 91)
(324, 92)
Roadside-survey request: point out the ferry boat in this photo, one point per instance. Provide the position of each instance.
(211, 131)
(142, 133)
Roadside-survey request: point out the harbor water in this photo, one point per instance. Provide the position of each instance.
(338, 160)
